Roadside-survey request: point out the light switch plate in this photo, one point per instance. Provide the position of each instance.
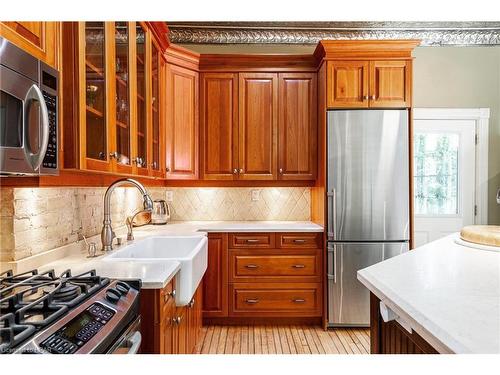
(255, 195)
(169, 196)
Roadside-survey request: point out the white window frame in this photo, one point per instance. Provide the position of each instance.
(481, 118)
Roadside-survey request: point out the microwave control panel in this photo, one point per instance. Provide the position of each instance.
(50, 159)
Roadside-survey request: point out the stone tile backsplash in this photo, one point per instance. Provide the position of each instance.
(34, 220)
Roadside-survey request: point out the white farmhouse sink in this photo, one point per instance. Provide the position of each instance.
(190, 251)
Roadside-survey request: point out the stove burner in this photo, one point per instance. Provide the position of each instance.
(66, 293)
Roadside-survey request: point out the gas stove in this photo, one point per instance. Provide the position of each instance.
(85, 313)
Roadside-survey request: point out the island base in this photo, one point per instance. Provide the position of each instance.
(391, 337)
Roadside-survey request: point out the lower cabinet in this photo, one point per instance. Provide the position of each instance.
(264, 275)
(166, 328)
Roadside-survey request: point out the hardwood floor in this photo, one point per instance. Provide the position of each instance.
(282, 340)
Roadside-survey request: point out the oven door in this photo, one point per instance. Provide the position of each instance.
(24, 124)
(130, 341)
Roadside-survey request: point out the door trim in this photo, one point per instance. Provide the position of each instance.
(481, 118)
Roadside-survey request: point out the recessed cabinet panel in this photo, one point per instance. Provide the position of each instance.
(297, 126)
(219, 124)
(215, 287)
(258, 125)
(182, 123)
(389, 83)
(347, 84)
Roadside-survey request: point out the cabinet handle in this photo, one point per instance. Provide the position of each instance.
(167, 169)
(299, 241)
(138, 161)
(113, 155)
(177, 320)
(281, 171)
(298, 300)
(235, 171)
(241, 170)
(252, 266)
(366, 97)
(298, 266)
(170, 295)
(252, 300)
(373, 97)
(191, 303)
(252, 241)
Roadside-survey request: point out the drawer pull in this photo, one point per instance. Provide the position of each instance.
(252, 266)
(299, 266)
(252, 300)
(252, 241)
(299, 241)
(169, 295)
(298, 300)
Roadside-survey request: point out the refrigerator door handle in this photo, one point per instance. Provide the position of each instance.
(332, 260)
(332, 219)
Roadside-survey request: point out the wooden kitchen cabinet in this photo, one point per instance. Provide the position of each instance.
(297, 132)
(258, 126)
(215, 284)
(113, 117)
(219, 126)
(39, 39)
(182, 123)
(166, 328)
(263, 275)
(369, 84)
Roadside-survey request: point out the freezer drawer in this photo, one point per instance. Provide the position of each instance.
(348, 299)
(368, 175)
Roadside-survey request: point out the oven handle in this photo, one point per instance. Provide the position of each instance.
(34, 93)
(135, 340)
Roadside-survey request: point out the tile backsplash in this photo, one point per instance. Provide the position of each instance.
(34, 220)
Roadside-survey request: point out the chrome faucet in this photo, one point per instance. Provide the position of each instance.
(107, 233)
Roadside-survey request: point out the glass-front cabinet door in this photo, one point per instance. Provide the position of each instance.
(156, 64)
(94, 140)
(122, 131)
(142, 60)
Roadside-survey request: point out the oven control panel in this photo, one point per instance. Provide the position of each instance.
(78, 331)
(50, 159)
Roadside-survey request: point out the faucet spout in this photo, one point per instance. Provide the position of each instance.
(107, 233)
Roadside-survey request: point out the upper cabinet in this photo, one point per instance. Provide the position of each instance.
(297, 131)
(40, 39)
(368, 74)
(182, 123)
(118, 74)
(219, 126)
(258, 126)
(369, 84)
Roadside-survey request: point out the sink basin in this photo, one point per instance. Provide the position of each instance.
(190, 251)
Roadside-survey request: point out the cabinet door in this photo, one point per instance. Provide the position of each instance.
(297, 144)
(347, 84)
(37, 38)
(390, 84)
(258, 126)
(182, 123)
(219, 126)
(156, 166)
(142, 157)
(121, 132)
(95, 94)
(215, 292)
(168, 338)
(182, 330)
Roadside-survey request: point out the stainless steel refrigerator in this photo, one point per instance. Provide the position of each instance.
(368, 203)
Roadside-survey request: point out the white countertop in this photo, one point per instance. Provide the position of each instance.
(154, 274)
(448, 293)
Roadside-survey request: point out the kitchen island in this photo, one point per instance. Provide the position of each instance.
(440, 298)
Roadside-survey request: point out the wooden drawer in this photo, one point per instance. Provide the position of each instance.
(286, 300)
(251, 240)
(298, 240)
(274, 265)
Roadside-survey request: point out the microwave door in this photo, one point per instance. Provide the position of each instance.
(14, 88)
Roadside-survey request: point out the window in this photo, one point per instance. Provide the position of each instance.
(436, 173)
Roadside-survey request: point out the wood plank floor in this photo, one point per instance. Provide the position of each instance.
(286, 339)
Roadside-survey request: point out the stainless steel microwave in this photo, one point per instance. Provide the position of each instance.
(28, 114)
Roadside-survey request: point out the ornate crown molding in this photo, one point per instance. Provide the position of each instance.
(431, 33)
